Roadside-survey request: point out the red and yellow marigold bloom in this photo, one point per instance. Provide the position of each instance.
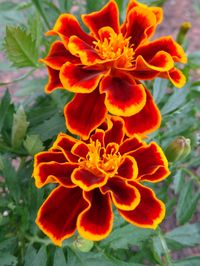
(104, 67)
(93, 176)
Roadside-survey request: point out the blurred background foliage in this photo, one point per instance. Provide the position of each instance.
(29, 123)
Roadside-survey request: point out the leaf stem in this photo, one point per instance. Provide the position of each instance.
(18, 79)
(42, 13)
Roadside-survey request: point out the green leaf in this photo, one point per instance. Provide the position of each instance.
(94, 5)
(187, 203)
(35, 28)
(185, 235)
(178, 182)
(190, 261)
(126, 235)
(7, 259)
(20, 48)
(30, 255)
(4, 106)
(59, 258)
(193, 59)
(33, 144)
(159, 89)
(19, 128)
(40, 258)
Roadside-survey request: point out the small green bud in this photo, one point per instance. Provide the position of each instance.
(178, 149)
(83, 244)
(185, 27)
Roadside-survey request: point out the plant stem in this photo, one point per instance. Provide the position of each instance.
(42, 13)
(165, 248)
(17, 79)
(192, 175)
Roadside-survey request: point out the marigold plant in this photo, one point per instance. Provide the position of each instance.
(90, 176)
(104, 68)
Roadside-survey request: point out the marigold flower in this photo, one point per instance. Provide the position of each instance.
(107, 169)
(104, 67)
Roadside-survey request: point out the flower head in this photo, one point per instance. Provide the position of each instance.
(104, 67)
(91, 176)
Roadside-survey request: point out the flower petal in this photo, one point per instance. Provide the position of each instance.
(107, 16)
(65, 143)
(128, 168)
(58, 215)
(80, 149)
(149, 115)
(166, 44)
(130, 144)
(87, 54)
(54, 172)
(124, 196)
(49, 156)
(84, 113)
(66, 26)
(123, 96)
(87, 180)
(140, 25)
(144, 74)
(176, 76)
(115, 133)
(59, 55)
(95, 223)
(98, 135)
(152, 163)
(150, 211)
(54, 80)
(78, 79)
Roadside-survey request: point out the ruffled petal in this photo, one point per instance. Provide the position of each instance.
(98, 135)
(124, 196)
(65, 143)
(53, 172)
(140, 25)
(95, 223)
(54, 80)
(152, 163)
(166, 44)
(115, 133)
(130, 144)
(87, 54)
(128, 168)
(176, 76)
(123, 96)
(84, 113)
(49, 156)
(149, 115)
(87, 180)
(107, 16)
(66, 26)
(58, 215)
(78, 79)
(150, 211)
(80, 149)
(58, 55)
(145, 74)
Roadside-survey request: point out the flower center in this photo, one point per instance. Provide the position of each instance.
(116, 47)
(102, 161)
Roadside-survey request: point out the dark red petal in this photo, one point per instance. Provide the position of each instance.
(98, 135)
(58, 55)
(166, 44)
(54, 172)
(54, 80)
(107, 16)
(149, 115)
(66, 26)
(127, 101)
(150, 211)
(58, 215)
(65, 143)
(149, 160)
(78, 79)
(130, 144)
(145, 74)
(128, 168)
(115, 133)
(87, 180)
(124, 196)
(49, 156)
(86, 53)
(85, 113)
(80, 149)
(140, 25)
(95, 223)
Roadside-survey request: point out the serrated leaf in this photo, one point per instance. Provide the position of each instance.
(35, 28)
(178, 182)
(20, 48)
(33, 144)
(185, 235)
(19, 128)
(40, 258)
(7, 259)
(187, 203)
(4, 106)
(190, 261)
(59, 258)
(29, 255)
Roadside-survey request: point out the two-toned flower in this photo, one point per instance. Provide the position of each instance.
(104, 68)
(93, 176)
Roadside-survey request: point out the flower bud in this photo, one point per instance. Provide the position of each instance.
(178, 149)
(185, 27)
(83, 244)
